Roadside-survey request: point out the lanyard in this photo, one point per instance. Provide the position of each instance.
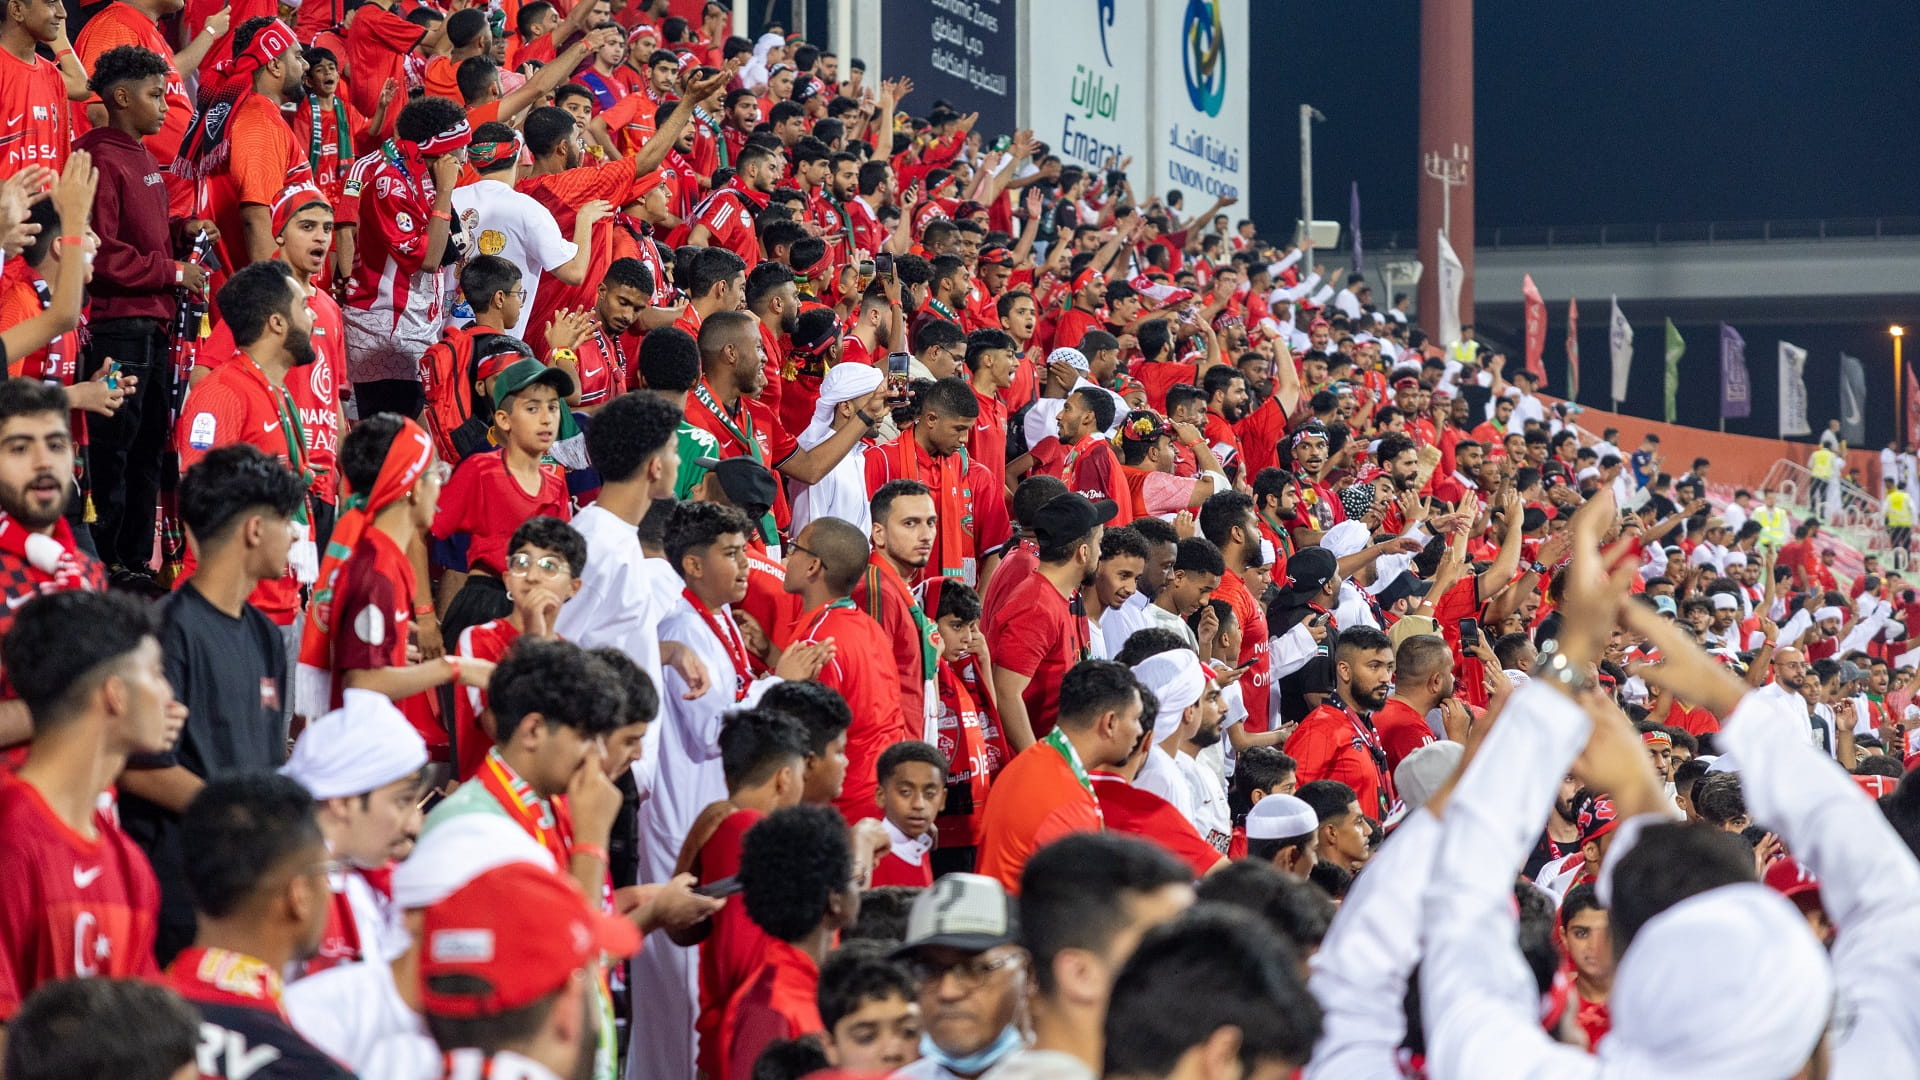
(729, 636)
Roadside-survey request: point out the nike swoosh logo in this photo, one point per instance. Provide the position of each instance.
(84, 878)
(591, 372)
(15, 601)
(272, 426)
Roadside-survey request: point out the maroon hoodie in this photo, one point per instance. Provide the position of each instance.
(133, 273)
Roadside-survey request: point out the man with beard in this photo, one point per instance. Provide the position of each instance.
(1316, 509)
(903, 529)
(1423, 682)
(774, 299)
(524, 1005)
(600, 366)
(1041, 631)
(1337, 741)
(35, 482)
(1226, 391)
(257, 867)
(725, 218)
(1789, 679)
(1467, 459)
(1561, 837)
(1399, 457)
(246, 400)
(733, 368)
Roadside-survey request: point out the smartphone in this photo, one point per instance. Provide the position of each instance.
(1469, 633)
(867, 270)
(883, 264)
(717, 890)
(897, 364)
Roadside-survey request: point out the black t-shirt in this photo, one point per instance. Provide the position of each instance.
(232, 676)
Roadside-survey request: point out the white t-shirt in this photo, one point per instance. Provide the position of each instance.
(517, 228)
(346, 1011)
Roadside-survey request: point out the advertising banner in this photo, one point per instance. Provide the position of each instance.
(1200, 97)
(961, 51)
(1085, 81)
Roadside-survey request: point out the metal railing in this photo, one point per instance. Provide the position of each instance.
(1852, 507)
(1667, 234)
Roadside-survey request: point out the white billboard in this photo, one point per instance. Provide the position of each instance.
(1087, 91)
(1201, 72)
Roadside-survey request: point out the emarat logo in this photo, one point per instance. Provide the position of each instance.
(1203, 55)
(1103, 17)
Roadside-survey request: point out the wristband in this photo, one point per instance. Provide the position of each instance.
(453, 665)
(71, 241)
(179, 274)
(442, 215)
(870, 421)
(593, 851)
(62, 55)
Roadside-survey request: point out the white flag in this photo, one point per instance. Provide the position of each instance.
(1452, 278)
(1793, 391)
(1620, 338)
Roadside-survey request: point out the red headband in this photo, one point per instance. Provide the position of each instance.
(265, 47)
(293, 200)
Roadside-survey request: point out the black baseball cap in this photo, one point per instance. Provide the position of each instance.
(1308, 571)
(747, 483)
(1066, 518)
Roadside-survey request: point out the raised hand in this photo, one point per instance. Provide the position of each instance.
(804, 661)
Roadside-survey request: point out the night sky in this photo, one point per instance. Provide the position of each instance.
(1629, 111)
(1606, 112)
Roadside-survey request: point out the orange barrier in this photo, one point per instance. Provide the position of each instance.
(1738, 460)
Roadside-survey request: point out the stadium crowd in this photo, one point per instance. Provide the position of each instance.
(543, 539)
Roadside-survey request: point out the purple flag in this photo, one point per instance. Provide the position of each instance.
(1353, 227)
(1736, 394)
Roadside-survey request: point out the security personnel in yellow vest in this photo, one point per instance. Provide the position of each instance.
(1899, 517)
(1774, 523)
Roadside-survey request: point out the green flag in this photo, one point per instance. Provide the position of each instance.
(1676, 348)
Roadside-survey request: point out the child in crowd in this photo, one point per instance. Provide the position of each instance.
(913, 788)
(544, 560)
(869, 1005)
(969, 727)
(490, 494)
(1258, 772)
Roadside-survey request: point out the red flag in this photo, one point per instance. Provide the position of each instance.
(1913, 409)
(1573, 350)
(1536, 330)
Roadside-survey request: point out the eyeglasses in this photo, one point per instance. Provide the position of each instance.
(971, 973)
(440, 471)
(547, 566)
(806, 551)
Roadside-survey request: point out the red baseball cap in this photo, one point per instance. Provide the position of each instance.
(517, 932)
(1877, 786)
(1787, 877)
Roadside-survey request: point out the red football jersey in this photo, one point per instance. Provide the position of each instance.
(488, 641)
(35, 126)
(69, 905)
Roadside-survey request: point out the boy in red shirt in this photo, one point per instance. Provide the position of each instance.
(799, 881)
(764, 753)
(78, 897)
(491, 494)
(913, 789)
(361, 618)
(544, 561)
(967, 730)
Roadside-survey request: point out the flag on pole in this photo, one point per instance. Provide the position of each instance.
(1736, 396)
(1536, 311)
(1353, 226)
(1573, 350)
(1793, 391)
(1620, 341)
(1452, 278)
(1853, 400)
(1676, 348)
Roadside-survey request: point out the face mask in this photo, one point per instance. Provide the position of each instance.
(981, 1060)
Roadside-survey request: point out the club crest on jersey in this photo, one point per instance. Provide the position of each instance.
(402, 220)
